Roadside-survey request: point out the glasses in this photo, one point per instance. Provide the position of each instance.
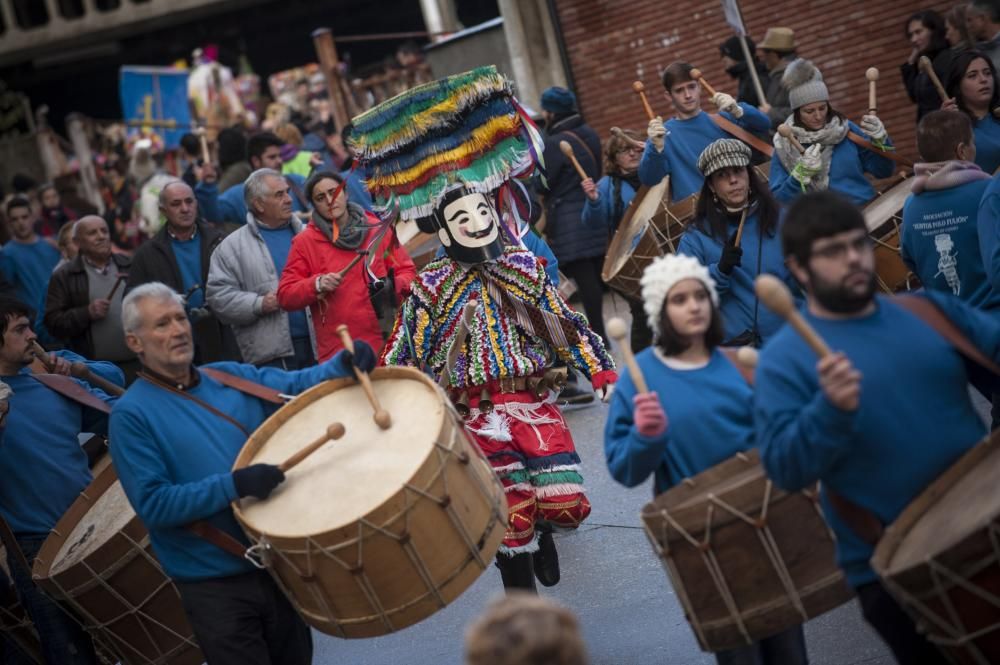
(631, 151)
(838, 250)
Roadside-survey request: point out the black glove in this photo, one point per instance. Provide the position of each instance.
(363, 357)
(257, 480)
(731, 257)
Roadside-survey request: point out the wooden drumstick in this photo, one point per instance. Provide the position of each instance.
(84, 373)
(118, 282)
(382, 417)
(925, 64)
(747, 356)
(872, 76)
(43, 357)
(618, 330)
(640, 90)
(786, 132)
(777, 298)
(696, 75)
(617, 131)
(350, 265)
(567, 150)
(739, 229)
(333, 432)
(206, 156)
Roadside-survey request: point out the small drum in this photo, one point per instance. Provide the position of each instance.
(941, 558)
(884, 219)
(98, 561)
(638, 240)
(746, 559)
(380, 528)
(14, 621)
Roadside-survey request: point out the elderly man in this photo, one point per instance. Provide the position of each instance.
(43, 467)
(179, 255)
(243, 279)
(84, 303)
(176, 433)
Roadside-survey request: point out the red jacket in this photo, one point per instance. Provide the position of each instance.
(313, 255)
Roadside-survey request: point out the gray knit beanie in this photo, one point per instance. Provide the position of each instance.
(804, 84)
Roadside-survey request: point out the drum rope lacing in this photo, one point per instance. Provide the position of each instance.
(313, 549)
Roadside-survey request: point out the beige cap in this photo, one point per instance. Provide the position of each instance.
(778, 39)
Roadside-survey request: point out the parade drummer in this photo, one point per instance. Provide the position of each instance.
(735, 234)
(830, 160)
(877, 420)
(519, 324)
(43, 466)
(972, 89)
(698, 411)
(175, 435)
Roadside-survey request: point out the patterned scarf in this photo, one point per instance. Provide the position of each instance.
(351, 234)
(832, 134)
(933, 176)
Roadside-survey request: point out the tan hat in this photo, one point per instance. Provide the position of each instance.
(778, 39)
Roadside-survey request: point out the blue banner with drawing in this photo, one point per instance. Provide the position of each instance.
(157, 96)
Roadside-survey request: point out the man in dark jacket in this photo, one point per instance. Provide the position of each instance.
(179, 256)
(83, 306)
(776, 51)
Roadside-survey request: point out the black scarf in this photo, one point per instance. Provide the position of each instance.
(352, 234)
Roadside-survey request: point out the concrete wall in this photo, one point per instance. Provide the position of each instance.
(475, 47)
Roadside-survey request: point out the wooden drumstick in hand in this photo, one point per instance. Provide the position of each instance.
(786, 132)
(382, 417)
(747, 356)
(617, 131)
(696, 75)
(640, 90)
(618, 330)
(43, 357)
(333, 432)
(925, 65)
(777, 298)
(739, 229)
(567, 150)
(206, 156)
(872, 76)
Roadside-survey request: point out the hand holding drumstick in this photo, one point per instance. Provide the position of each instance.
(838, 378)
(363, 361)
(648, 415)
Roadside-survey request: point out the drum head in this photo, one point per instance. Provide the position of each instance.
(110, 514)
(881, 209)
(348, 478)
(632, 228)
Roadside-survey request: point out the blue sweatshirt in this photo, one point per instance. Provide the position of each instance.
(685, 143)
(230, 206)
(848, 167)
(987, 131)
(28, 267)
(175, 458)
(279, 243)
(914, 421)
(188, 253)
(940, 243)
(602, 211)
(43, 467)
(709, 419)
(737, 298)
(989, 233)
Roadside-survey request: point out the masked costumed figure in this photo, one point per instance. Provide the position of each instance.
(445, 154)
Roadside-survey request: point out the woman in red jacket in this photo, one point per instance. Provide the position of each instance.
(315, 274)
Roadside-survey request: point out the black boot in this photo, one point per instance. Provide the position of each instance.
(546, 558)
(516, 572)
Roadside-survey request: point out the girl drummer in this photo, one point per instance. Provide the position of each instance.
(830, 160)
(699, 410)
(735, 235)
(972, 89)
(607, 200)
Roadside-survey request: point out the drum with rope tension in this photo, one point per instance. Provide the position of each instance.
(884, 219)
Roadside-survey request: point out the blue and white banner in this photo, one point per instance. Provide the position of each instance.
(159, 94)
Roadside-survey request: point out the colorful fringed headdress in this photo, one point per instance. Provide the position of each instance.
(466, 128)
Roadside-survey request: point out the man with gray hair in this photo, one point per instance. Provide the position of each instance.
(177, 432)
(244, 273)
(83, 304)
(178, 255)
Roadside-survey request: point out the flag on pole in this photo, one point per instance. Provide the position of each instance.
(731, 9)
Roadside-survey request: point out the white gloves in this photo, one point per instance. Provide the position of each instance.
(725, 102)
(657, 133)
(809, 164)
(874, 128)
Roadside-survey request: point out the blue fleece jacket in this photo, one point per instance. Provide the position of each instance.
(989, 232)
(230, 207)
(43, 467)
(174, 459)
(737, 299)
(685, 143)
(914, 421)
(709, 419)
(987, 131)
(848, 167)
(940, 243)
(602, 211)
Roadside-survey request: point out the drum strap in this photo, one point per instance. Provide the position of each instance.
(735, 130)
(218, 537)
(70, 389)
(200, 402)
(927, 311)
(888, 154)
(244, 385)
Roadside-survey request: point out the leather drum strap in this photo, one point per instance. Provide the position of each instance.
(70, 389)
(888, 154)
(735, 130)
(244, 385)
(927, 311)
(218, 537)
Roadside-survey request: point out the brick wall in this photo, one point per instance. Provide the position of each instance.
(613, 43)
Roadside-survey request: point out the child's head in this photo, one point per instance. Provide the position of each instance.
(525, 629)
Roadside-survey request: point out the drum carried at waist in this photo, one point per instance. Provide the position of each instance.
(98, 561)
(381, 528)
(941, 558)
(746, 559)
(884, 219)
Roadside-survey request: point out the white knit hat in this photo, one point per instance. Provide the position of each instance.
(804, 83)
(661, 275)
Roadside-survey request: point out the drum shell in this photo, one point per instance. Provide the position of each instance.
(361, 580)
(737, 547)
(884, 219)
(954, 591)
(120, 592)
(14, 621)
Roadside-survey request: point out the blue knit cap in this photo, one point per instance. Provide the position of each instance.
(558, 100)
